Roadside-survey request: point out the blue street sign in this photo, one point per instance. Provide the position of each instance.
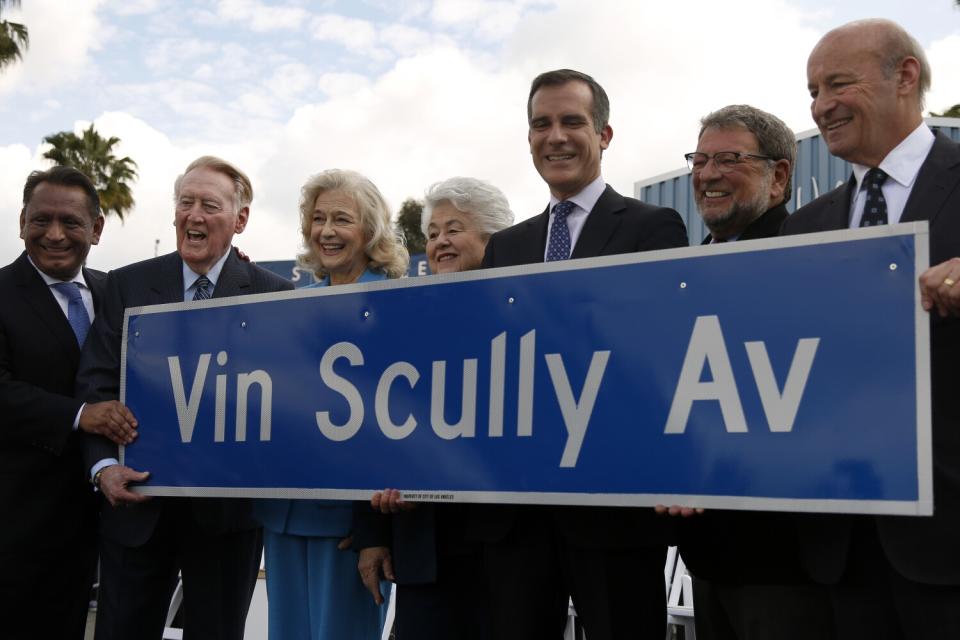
(790, 373)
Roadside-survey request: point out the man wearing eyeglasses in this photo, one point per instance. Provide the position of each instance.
(748, 579)
(214, 543)
(893, 577)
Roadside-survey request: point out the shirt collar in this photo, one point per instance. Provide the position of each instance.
(190, 276)
(587, 198)
(904, 162)
(79, 279)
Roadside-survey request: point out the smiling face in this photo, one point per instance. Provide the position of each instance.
(57, 229)
(338, 237)
(729, 202)
(862, 115)
(565, 146)
(454, 243)
(207, 217)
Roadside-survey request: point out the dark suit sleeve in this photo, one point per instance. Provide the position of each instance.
(98, 376)
(31, 414)
(665, 230)
(370, 528)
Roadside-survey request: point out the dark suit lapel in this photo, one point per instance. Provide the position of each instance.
(767, 225)
(836, 212)
(534, 245)
(939, 176)
(38, 297)
(600, 225)
(234, 278)
(166, 282)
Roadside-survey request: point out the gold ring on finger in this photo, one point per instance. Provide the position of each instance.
(949, 282)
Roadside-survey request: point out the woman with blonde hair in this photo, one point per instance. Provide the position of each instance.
(312, 583)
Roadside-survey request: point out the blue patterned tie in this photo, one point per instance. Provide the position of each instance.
(77, 314)
(202, 292)
(875, 207)
(558, 245)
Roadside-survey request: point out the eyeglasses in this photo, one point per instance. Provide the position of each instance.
(725, 161)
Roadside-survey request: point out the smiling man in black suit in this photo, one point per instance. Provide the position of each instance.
(610, 560)
(213, 542)
(48, 539)
(893, 577)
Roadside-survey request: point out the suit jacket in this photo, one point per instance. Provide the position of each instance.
(922, 549)
(616, 225)
(155, 281)
(44, 495)
(743, 546)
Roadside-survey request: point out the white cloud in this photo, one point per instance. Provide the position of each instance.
(262, 17)
(359, 36)
(62, 36)
(944, 56)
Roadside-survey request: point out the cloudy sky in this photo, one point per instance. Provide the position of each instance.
(407, 93)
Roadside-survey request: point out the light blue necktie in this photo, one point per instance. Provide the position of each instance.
(77, 314)
(558, 245)
(203, 291)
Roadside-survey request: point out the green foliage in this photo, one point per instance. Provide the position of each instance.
(14, 38)
(408, 224)
(952, 112)
(93, 155)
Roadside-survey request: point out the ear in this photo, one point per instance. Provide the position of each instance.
(242, 216)
(23, 224)
(909, 76)
(781, 174)
(97, 229)
(606, 135)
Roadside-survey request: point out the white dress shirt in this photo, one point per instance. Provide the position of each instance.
(583, 204)
(901, 166)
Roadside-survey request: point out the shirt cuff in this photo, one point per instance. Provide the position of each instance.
(106, 462)
(76, 420)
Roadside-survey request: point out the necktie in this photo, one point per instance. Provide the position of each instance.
(203, 288)
(875, 207)
(558, 245)
(76, 311)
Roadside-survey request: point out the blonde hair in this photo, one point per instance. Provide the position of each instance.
(385, 250)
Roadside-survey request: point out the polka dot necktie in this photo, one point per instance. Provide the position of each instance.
(875, 207)
(203, 288)
(558, 245)
(77, 314)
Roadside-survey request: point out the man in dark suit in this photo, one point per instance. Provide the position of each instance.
(609, 560)
(748, 580)
(214, 543)
(893, 577)
(48, 538)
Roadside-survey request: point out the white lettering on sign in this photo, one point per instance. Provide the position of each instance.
(575, 410)
(187, 409)
(707, 348)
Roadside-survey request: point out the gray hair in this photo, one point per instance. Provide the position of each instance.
(774, 138)
(599, 111)
(243, 190)
(896, 45)
(384, 250)
(484, 202)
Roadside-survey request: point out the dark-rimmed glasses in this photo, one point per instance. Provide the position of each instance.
(725, 161)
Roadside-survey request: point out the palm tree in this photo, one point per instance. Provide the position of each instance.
(93, 155)
(14, 38)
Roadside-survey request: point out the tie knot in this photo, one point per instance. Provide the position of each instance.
(69, 289)
(202, 288)
(875, 178)
(562, 209)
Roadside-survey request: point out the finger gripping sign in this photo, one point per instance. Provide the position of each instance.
(790, 374)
